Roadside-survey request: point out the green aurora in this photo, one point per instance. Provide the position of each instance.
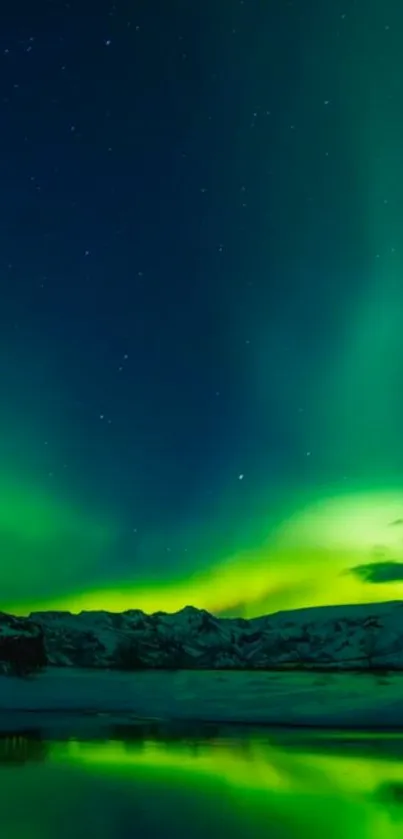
(57, 547)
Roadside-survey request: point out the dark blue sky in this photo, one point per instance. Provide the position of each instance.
(182, 231)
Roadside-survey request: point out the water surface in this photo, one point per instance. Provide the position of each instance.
(232, 785)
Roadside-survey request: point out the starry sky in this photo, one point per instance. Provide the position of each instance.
(201, 319)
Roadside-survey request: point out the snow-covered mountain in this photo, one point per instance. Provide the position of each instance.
(22, 645)
(361, 637)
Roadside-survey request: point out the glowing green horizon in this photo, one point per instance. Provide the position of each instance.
(307, 560)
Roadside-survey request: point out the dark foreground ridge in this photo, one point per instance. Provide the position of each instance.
(332, 638)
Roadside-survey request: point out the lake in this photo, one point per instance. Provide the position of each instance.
(215, 782)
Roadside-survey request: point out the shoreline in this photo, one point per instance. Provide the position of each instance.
(98, 699)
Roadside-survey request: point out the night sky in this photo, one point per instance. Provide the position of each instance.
(201, 316)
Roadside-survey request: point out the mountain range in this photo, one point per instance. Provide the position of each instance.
(362, 637)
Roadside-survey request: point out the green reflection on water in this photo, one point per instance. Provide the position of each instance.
(245, 786)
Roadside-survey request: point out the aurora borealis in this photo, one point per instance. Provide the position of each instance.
(201, 319)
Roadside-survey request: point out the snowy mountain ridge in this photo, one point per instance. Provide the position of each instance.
(358, 637)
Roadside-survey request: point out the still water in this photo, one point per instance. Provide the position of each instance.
(242, 786)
